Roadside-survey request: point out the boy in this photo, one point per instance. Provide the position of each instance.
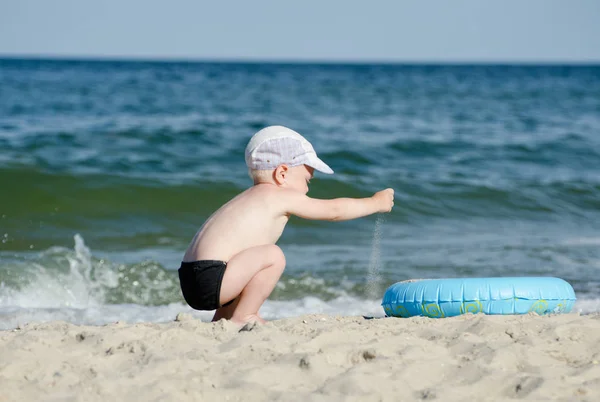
(232, 264)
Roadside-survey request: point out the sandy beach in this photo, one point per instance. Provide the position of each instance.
(311, 357)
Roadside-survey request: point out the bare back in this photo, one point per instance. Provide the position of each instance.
(252, 218)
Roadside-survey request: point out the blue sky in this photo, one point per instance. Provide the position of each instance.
(350, 30)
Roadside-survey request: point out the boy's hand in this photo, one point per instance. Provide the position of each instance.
(384, 200)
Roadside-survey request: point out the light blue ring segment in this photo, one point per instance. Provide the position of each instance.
(439, 298)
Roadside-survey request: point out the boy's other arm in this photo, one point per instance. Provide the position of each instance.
(338, 209)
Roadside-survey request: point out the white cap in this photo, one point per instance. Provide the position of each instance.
(277, 145)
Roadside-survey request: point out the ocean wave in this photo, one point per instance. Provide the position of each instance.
(73, 285)
(60, 277)
(64, 278)
(62, 201)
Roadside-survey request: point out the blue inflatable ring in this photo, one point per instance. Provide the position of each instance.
(439, 298)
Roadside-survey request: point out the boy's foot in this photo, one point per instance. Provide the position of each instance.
(248, 319)
(249, 326)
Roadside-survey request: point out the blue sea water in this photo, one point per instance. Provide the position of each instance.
(108, 168)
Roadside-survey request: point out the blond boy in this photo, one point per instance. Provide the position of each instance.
(233, 263)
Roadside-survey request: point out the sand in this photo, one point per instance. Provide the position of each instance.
(308, 358)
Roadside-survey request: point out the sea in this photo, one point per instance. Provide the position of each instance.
(108, 169)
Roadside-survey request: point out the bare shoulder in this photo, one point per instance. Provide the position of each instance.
(276, 197)
(272, 197)
(279, 200)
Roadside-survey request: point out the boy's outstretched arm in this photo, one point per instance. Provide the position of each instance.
(338, 209)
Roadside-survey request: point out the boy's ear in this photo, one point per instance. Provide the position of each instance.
(280, 174)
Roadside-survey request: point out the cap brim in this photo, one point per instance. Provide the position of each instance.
(318, 164)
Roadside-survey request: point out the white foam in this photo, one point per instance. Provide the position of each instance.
(583, 241)
(11, 317)
(344, 305)
(81, 287)
(587, 306)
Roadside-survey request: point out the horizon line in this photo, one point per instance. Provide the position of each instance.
(252, 60)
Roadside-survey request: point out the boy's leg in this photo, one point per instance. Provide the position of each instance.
(226, 311)
(251, 276)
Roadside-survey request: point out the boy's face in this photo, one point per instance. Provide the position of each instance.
(299, 176)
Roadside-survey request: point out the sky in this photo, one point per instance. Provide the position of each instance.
(306, 30)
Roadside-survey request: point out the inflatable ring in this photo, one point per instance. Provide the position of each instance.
(439, 298)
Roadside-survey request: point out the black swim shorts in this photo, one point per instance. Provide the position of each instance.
(201, 283)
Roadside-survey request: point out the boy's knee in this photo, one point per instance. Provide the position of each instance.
(277, 256)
